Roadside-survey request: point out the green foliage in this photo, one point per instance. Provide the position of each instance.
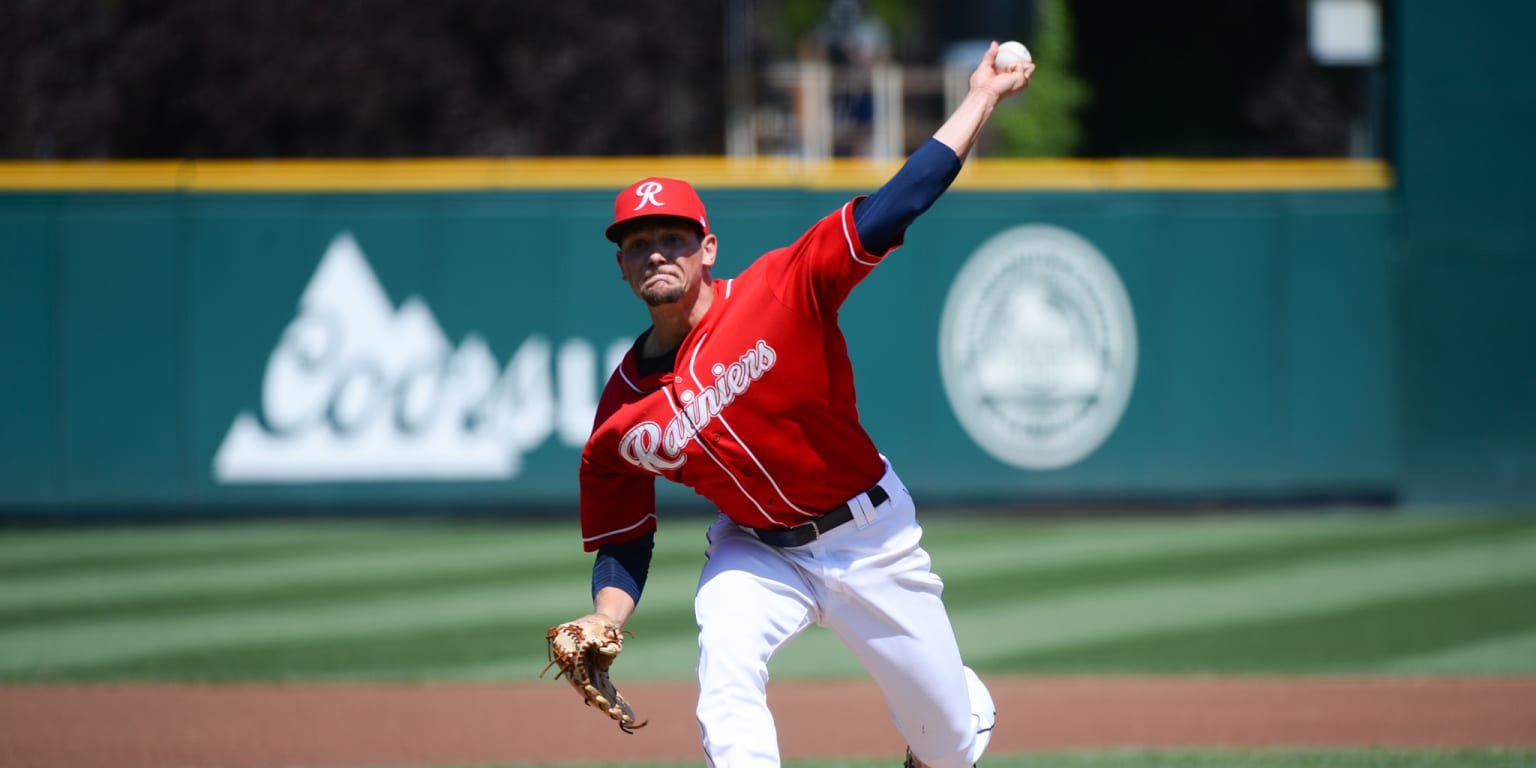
(1042, 122)
(798, 19)
(897, 15)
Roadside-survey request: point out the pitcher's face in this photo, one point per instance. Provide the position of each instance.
(665, 260)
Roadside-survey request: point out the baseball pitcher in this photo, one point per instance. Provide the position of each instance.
(742, 390)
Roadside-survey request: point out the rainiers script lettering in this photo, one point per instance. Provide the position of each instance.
(653, 448)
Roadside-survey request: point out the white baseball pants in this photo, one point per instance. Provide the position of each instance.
(869, 582)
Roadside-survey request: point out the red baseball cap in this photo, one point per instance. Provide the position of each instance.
(657, 196)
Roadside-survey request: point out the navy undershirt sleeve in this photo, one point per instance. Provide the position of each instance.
(624, 565)
(883, 217)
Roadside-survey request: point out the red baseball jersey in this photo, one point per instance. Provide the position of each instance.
(758, 415)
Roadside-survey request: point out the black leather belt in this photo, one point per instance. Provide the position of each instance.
(808, 532)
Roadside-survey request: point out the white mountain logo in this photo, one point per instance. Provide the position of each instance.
(357, 390)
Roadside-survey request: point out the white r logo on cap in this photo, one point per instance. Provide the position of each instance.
(647, 193)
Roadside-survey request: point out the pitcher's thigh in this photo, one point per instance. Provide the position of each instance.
(748, 590)
(747, 607)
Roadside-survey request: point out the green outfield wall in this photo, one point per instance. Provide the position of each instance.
(209, 351)
(1465, 118)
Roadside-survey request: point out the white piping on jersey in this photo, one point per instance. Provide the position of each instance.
(845, 214)
(677, 411)
(630, 383)
(618, 531)
(693, 359)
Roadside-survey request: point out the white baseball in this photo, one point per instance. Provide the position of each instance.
(1010, 54)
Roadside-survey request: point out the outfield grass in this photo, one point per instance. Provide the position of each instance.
(1291, 594)
(1260, 759)
(1270, 758)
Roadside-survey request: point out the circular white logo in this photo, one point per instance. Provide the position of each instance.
(1037, 347)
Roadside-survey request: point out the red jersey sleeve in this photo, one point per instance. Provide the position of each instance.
(817, 271)
(618, 501)
(616, 506)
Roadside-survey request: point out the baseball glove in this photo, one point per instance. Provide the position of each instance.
(584, 650)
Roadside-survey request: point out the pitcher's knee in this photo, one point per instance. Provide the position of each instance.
(962, 739)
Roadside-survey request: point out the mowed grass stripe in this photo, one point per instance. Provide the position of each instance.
(1052, 542)
(1011, 543)
(1349, 639)
(1042, 558)
(1130, 606)
(296, 580)
(1038, 623)
(309, 611)
(40, 554)
(292, 585)
(514, 645)
(665, 643)
(1177, 560)
(406, 547)
(1508, 654)
(86, 553)
(550, 599)
(294, 567)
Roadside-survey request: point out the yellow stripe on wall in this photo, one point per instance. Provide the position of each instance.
(480, 174)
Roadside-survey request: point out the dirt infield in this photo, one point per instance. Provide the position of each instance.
(337, 726)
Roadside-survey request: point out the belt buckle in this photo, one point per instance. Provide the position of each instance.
(793, 536)
(815, 531)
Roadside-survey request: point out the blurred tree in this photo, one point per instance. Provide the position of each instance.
(296, 78)
(796, 21)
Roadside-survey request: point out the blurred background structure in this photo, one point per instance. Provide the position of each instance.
(345, 255)
(816, 78)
